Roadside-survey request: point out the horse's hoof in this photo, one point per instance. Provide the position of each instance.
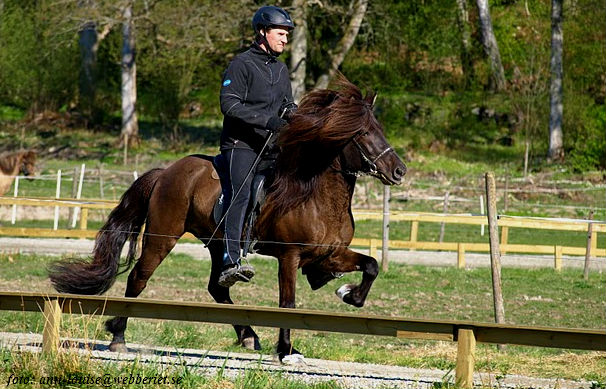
(251, 343)
(344, 291)
(293, 359)
(118, 347)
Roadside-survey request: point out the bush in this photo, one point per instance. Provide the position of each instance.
(587, 147)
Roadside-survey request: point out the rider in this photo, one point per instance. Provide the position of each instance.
(256, 97)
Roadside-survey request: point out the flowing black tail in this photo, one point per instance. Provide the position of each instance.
(124, 223)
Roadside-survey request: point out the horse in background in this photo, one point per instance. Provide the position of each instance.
(14, 164)
(306, 221)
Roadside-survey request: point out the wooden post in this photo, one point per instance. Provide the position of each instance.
(506, 194)
(444, 210)
(461, 255)
(557, 263)
(52, 322)
(589, 246)
(495, 256)
(84, 219)
(125, 156)
(466, 356)
(414, 231)
(372, 251)
(504, 238)
(385, 245)
(101, 191)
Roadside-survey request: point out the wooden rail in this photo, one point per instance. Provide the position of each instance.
(463, 332)
(412, 244)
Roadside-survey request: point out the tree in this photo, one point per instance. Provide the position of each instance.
(340, 51)
(130, 125)
(464, 29)
(491, 48)
(298, 56)
(556, 150)
(89, 39)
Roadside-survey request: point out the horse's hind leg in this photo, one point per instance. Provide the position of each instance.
(246, 335)
(155, 249)
(348, 261)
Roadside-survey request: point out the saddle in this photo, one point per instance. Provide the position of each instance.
(257, 198)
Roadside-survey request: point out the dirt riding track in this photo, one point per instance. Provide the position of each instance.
(429, 258)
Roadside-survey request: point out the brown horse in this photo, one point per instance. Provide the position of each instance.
(305, 222)
(13, 164)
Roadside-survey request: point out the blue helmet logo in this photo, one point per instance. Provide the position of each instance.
(226, 82)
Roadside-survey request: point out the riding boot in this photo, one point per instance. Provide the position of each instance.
(235, 273)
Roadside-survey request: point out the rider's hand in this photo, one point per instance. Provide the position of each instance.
(275, 123)
(287, 110)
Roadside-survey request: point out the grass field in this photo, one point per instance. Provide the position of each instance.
(540, 297)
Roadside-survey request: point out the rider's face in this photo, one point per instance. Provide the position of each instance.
(277, 39)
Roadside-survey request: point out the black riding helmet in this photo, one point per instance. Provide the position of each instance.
(271, 16)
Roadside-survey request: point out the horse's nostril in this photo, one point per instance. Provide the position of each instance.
(398, 172)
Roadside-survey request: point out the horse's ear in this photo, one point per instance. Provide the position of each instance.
(371, 98)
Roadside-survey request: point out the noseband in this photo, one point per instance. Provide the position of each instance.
(370, 160)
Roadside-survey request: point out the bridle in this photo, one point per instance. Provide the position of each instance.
(23, 168)
(370, 160)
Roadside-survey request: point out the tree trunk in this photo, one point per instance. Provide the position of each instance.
(464, 29)
(491, 47)
(298, 59)
(556, 150)
(344, 44)
(130, 126)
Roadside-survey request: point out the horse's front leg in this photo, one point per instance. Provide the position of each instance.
(348, 261)
(287, 278)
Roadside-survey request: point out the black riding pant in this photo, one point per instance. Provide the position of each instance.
(237, 196)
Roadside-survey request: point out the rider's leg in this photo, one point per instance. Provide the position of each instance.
(239, 162)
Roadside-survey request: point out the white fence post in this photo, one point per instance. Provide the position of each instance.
(14, 216)
(482, 213)
(78, 196)
(57, 196)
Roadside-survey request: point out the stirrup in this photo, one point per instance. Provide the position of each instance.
(234, 274)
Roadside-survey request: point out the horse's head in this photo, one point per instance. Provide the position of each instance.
(368, 151)
(27, 166)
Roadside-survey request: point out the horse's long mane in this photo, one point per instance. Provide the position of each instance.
(326, 120)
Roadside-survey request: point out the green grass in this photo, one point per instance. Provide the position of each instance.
(540, 297)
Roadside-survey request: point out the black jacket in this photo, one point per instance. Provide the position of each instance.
(255, 86)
